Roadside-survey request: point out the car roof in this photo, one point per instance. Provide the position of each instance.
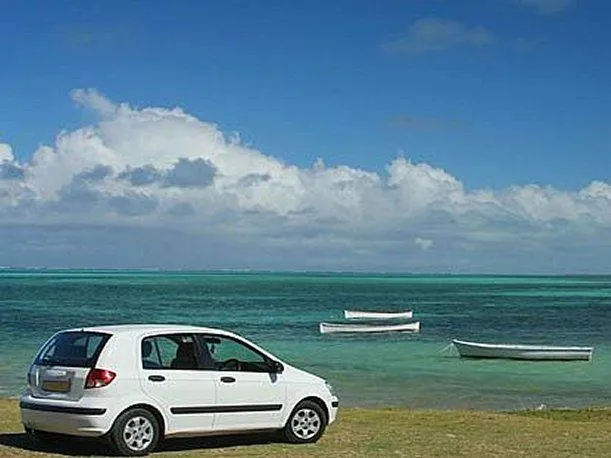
(139, 329)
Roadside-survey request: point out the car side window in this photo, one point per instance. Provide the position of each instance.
(226, 354)
(173, 351)
(92, 343)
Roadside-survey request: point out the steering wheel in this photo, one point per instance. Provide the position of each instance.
(230, 364)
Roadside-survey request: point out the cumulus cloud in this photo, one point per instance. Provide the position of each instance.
(77, 195)
(160, 171)
(186, 173)
(133, 204)
(141, 176)
(91, 98)
(97, 173)
(10, 171)
(253, 179)
(428, 35)
(6, 153)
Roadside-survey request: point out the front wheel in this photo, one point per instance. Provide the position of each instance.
(135, 432)
(306, 423)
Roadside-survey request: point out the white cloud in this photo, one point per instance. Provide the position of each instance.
(433, 35)
(91, 98)
(6, 153)
(423, 244)
(163, 171)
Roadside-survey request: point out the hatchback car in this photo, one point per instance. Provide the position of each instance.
(138, 384)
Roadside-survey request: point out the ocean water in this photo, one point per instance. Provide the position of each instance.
(281, 312)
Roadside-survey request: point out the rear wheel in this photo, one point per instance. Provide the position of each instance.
(306, 423)
(135, 432)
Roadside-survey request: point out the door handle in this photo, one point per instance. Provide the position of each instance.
(156, 378)
(227, 379)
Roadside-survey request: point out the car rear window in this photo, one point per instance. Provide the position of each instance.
(72, 349)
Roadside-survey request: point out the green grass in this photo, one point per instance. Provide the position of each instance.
(385, 433)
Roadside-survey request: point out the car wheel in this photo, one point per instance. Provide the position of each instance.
(306, 423)
(135, 432)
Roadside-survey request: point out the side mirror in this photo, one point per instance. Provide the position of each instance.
(276, 367)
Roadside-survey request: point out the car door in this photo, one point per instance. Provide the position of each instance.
(248, 394)
(172, 374)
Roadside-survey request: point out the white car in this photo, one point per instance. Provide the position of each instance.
(138, 384)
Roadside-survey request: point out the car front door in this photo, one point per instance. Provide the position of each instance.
(249, 395)
(171, 372)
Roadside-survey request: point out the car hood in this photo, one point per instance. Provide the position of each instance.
(302, 376)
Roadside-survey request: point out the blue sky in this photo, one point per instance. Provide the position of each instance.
(506, 97)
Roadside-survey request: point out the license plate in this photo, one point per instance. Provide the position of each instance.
(56, 386)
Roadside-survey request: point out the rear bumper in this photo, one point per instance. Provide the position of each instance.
(61, 409)
(65, 417)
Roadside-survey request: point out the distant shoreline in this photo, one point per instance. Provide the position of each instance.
(307, 272)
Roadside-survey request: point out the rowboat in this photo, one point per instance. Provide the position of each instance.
(530, 352)
(359, 314)
(327, 328)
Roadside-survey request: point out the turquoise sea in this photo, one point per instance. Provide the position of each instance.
(281, 311)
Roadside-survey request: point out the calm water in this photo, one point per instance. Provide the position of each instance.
(282, 311)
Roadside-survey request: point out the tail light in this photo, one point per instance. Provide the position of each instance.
(97, 378)
(31, 382)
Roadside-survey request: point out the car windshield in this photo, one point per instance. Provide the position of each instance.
(73, 349)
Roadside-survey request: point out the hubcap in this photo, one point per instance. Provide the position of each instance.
(138, 433)
(305, 423)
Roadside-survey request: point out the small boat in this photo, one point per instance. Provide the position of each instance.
(327, 328)
(359, 314)
(529, 352)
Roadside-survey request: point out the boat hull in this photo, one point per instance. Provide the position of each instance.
(358, 314)
(525, 352)
(329, 328)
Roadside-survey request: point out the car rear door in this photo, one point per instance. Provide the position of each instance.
(171, 373)
(61, 367)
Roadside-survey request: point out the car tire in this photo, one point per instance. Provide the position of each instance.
(135, 432)
(306, 424)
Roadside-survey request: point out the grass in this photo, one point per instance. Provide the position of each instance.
(383, 433)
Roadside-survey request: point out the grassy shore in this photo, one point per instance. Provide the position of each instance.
(382, 432)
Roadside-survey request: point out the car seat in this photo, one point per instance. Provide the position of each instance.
(185, 357)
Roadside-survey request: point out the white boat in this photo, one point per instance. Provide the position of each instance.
(359, 314)
(530, 352)
(327, 328)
